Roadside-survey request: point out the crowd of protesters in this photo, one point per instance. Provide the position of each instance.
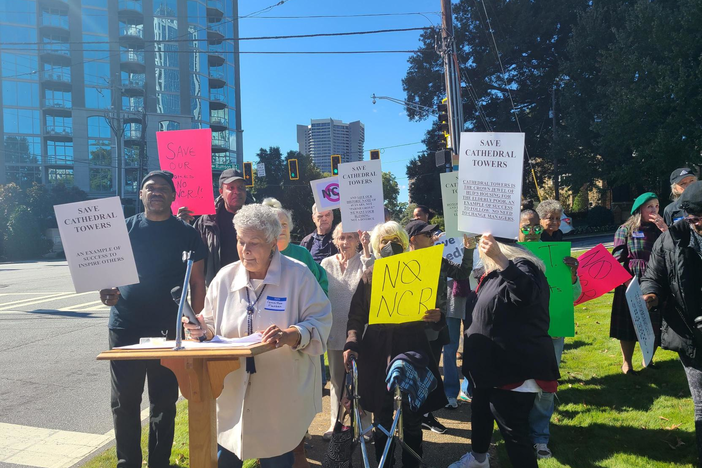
(315, 298)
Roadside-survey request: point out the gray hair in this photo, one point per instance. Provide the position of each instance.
(278, 207)
(547, 207)
(258, 218)
(512, 252)
(338, 231)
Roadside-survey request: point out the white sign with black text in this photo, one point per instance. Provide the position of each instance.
(361, 189)
(96, 243)
(641, 320)
(490, 183)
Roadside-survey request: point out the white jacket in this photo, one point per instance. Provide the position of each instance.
(266, 414)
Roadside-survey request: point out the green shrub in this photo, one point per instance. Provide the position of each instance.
(24, 239)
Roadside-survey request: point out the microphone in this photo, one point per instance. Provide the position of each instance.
(187, 310)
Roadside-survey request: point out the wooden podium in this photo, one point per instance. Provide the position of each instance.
(200, 374)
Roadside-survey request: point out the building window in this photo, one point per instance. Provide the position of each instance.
(21, 121)
(60, 99)
(100, 180)
(60, 176)
(18, 65)
(168, 125)
(20, 93)
(131, 180)
(98, 128)
(167, 103)
(62, 125)
(165, 7)
(98, 98)
(24, 176)
(22, 149)
(132, 104)
(100, 152)
(59, 152)
(131, 155)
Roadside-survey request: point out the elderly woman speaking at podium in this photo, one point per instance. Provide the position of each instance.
(266, 407)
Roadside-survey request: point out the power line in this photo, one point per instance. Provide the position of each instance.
(263, 10)
(228, 39)
(105, 13)
(289, 52)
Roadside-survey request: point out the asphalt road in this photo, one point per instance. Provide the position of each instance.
(50, 381)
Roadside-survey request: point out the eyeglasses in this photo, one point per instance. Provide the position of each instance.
(693, 219)
(535, 229)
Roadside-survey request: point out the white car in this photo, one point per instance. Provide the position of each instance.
(566, 224)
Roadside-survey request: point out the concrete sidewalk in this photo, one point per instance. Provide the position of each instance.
(440, 450)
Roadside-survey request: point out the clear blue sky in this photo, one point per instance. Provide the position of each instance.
(280, 91)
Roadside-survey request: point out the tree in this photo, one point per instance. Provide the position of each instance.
(24, 239)
(391, 190)
(532, 38)
(276, 173)
(424, 184)
(298, 193)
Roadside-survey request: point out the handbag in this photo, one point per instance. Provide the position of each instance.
(341, 446)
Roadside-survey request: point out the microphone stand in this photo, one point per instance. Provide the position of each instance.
(183, 296)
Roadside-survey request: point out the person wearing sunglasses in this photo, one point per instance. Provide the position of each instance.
(530, 230)
(673, 278)
(633, 243)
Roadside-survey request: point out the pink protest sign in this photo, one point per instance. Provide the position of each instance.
(188, 155)
(599, 273)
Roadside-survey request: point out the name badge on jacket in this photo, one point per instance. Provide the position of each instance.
(276, 304)
(638, 235)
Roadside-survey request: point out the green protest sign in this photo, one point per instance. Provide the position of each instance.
(559, 279)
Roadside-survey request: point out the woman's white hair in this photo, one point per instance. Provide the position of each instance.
(278, 207)
(263, 219)
(338, 231)
(512, 252)
(389, 229)
(547, 207)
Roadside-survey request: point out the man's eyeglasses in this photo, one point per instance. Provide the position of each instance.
(535, 229)
(693, 219)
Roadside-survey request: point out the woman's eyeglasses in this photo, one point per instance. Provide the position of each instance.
(535, 229)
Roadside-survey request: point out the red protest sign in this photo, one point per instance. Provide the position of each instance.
(188, 155)
(599, 273)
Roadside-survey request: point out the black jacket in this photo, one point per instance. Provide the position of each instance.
(672, 213)
(508, 340)
(674, 275)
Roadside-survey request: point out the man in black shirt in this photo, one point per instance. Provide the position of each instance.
(319, 243)
(217, 230)
(146, 309)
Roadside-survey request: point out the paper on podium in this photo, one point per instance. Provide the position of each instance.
(216, 342)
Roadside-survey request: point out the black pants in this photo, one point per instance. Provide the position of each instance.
(511, 412)
(412, 427)
(693, 371)
(127, 387)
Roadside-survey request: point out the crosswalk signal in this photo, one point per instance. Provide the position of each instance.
(248, 174)
(292, 169)
(335, 161)
(375, 154)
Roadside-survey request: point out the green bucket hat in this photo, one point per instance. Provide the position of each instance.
(641, 199)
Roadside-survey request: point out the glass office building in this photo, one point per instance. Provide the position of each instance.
(146, 65)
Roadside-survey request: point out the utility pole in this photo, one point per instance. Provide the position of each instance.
(113, 117)
(556, 175)
(142, 158)
(453, 78)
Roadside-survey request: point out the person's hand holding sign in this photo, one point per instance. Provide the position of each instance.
(491, 249)
(573, 265)
(364, 236)
(468, 242)
(109, 297)
(432, 315)
(184, 214)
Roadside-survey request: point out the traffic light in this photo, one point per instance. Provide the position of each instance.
(443, 116)
(248, 174)
(335, 161)
(292, 169)
(375, 154)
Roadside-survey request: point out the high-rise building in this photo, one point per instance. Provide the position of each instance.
(86, 84)
(324, 137)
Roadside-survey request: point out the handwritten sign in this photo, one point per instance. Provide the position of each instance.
(490, 183)
(96, 244)
(326, 193)
(404, 286)
(599, 273)
(641, 320)
(559, 280)
(188, 155)
(361, 190)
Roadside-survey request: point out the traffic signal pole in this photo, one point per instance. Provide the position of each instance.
(453, 79)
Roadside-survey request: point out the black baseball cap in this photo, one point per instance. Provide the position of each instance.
(230, 175)
(691, 199)
(417, 226)
(166, 175)
(679, 174)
